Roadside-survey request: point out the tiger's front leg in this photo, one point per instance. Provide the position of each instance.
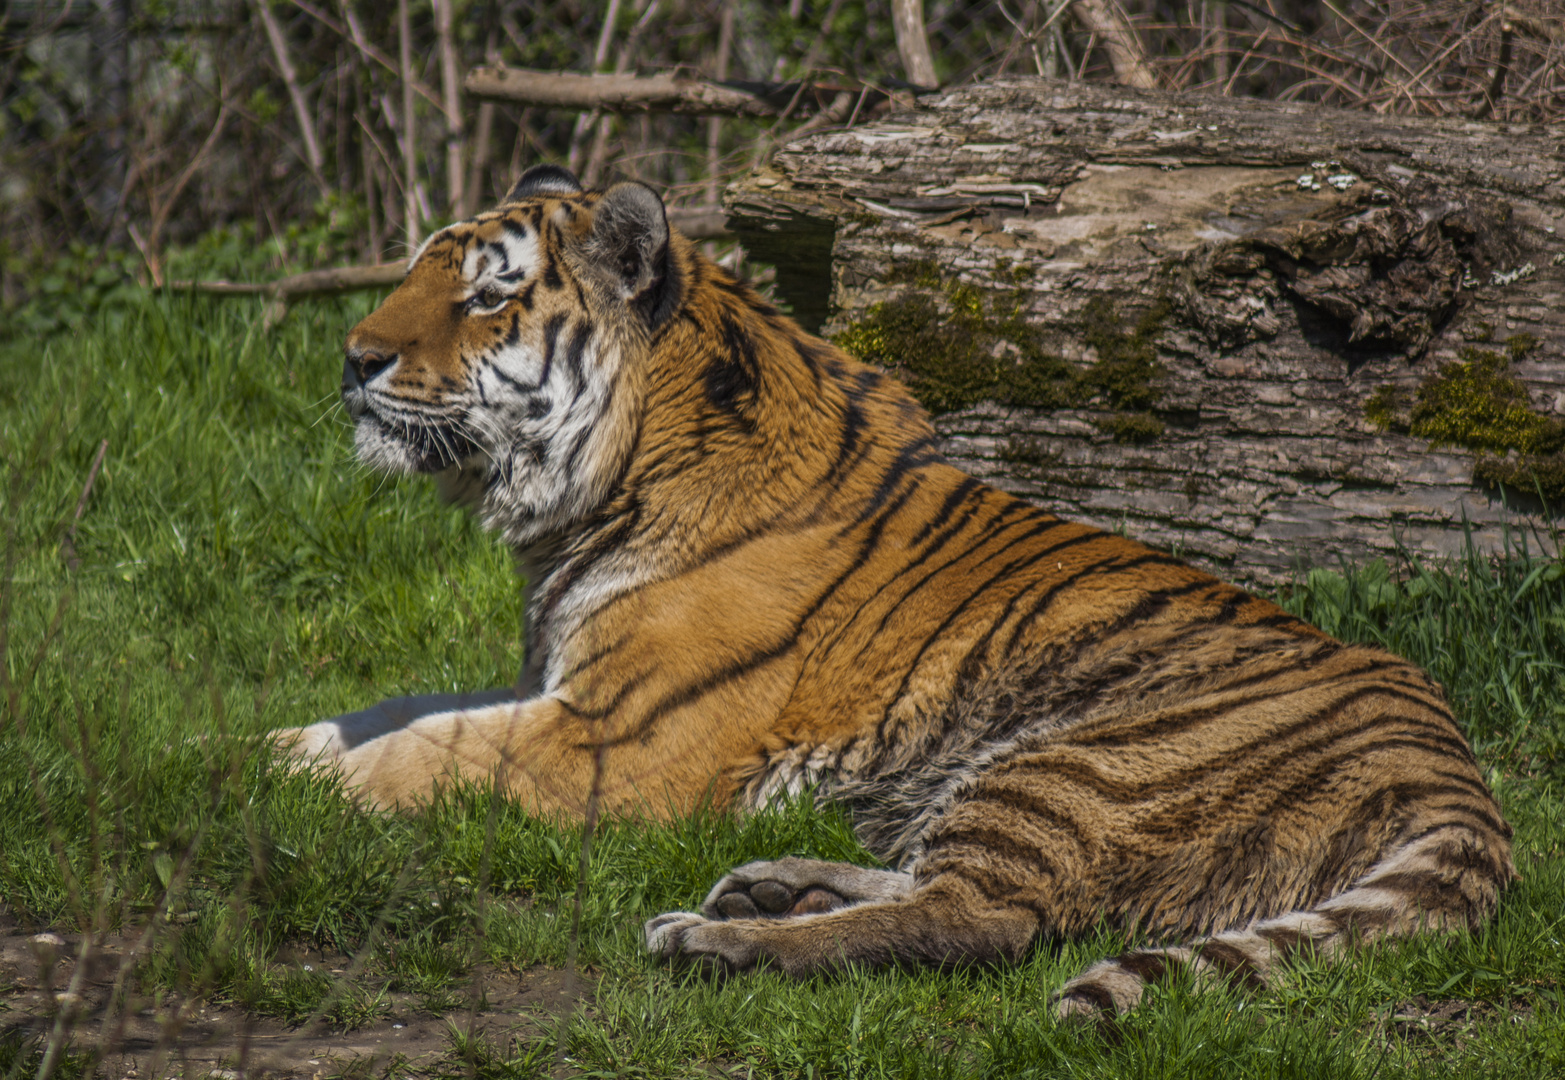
(397, 752)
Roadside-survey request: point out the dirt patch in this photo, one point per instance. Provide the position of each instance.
(1421, 1018)
(129, 1035)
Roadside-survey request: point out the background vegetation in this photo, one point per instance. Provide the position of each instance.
(149, 140)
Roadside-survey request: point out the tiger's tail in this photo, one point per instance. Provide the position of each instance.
(1447, 878)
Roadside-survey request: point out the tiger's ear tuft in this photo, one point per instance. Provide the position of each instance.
(544, 180)
(629, 241)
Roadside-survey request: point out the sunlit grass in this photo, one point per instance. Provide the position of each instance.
(240, 573)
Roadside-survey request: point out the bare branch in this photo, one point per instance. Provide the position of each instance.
(311, 283)
(301, 108)
(700, 222)
(907, 19)
(354, 32)
(449, 67)
(654, 93)
(1103, 19)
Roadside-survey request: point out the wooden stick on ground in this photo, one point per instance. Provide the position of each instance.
(285, 291)
(696, 222)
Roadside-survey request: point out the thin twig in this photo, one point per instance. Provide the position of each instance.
(301, 108)
(68, 545)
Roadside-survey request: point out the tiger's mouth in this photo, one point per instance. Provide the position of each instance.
(424, 447)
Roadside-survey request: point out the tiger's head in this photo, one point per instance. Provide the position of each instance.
(506, 363)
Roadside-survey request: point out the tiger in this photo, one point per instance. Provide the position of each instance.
(749, 572)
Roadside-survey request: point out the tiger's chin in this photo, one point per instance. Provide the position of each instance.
(423, 450)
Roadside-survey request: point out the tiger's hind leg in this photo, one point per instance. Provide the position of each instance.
(1448, 878)
(940, 921)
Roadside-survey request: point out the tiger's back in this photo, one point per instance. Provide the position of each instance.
(750, 571)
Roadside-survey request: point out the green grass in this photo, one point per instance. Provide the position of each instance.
(239, 572)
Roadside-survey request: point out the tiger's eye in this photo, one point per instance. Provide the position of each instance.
(490, 296)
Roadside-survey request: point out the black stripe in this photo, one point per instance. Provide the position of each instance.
(914, 455)
(991, 528)
(1233, 963)
(1027, 803)
(1143, 609)
(551, 340)
(1117, 562)
(992, 840)
(848, 447)
(961, 609)
(957, 495)
(806, 353)
(1113, 732)
(1149, 967)
(1093, 994)
(575, 351)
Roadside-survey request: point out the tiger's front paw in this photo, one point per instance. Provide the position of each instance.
(686, 939)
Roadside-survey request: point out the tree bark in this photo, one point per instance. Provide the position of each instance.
(1299, 285)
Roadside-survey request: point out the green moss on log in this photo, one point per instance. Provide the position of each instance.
(956, 345)
(1477, 404)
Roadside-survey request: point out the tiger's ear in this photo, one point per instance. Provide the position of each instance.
(543, 180)
(629, 242)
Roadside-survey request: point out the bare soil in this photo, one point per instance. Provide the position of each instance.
(132, 1035)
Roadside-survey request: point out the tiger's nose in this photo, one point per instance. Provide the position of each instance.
(364, 364)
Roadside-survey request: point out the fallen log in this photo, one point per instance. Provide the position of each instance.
(1263, 335)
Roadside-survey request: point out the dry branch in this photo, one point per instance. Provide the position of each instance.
(1103, 18)
(658, 93)
(285, 291)
(907, 19)
(696, 222)
(301, 107)
(311, 283)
